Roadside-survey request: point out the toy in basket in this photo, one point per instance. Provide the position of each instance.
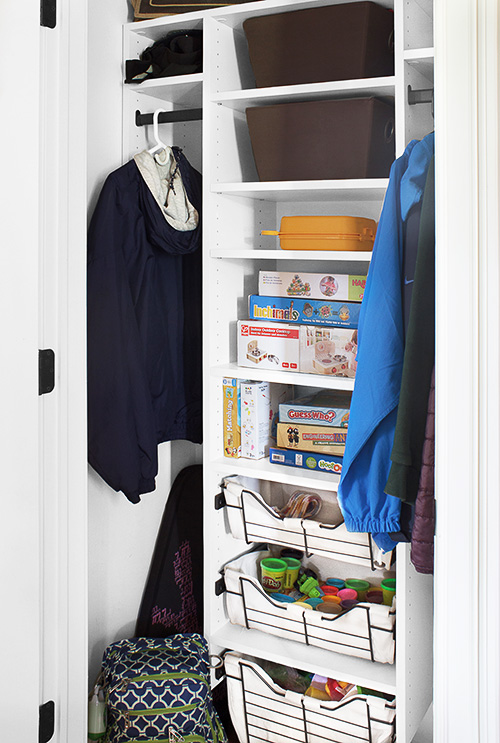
(325, 233)
(262, 710)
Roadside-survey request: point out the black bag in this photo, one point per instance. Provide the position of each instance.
(179, 53)
(173, 596)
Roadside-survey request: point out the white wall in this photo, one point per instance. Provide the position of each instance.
(121, 535)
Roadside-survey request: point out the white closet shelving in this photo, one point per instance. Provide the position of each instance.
(236, 208)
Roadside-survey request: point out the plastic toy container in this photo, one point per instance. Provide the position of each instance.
(338, 42)
(262, 710)
(323, 140)
(325, 233)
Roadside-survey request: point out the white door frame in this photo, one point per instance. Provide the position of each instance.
(19, 458)
(43, 548)
(467, 646)
(63, 328)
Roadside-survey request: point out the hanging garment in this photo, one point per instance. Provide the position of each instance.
(172, 601)
(422, 538)
(144, 318)
(418, 362)
(365, 505)
(410, 245)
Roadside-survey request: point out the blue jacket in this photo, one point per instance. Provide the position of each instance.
(372, 420)
(144, 330)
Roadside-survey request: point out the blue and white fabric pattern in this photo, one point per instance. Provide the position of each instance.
(158, 689)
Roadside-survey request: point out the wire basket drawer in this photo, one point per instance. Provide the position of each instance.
(263, 711)
(364, 631)
(252, 518)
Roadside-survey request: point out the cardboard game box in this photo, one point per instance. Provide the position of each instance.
(310, 438)
(255, 403)
(324, 408)
(306, 460)
(266, 345)
(327, 350)
(231, 418)
(341, 287)
(310, 311)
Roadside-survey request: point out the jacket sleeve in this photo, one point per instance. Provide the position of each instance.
(122, 442)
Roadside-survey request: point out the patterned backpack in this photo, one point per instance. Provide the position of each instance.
(158, 689)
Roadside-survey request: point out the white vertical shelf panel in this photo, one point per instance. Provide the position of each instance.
(413, 645)
(236, 207)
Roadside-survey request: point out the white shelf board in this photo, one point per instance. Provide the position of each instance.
(423, 53)
(269, 375)
(237, 14)
(157, 28)
(363, 189)
(185, 90)
(241, 99)
(381, 676)
(421, 60)
(299, 255)
(262, 469)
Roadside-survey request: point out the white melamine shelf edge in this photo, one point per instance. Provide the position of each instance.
(380, 676)
(358, 184)
(300, 255)
(424, 53)
(363, 189)
(176, 81)
(377, 85)
(269, 375)
(262, 469)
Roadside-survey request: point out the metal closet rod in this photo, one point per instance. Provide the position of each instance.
(420, 96)
(170, 117)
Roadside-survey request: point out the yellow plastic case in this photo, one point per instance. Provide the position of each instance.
(325, 233)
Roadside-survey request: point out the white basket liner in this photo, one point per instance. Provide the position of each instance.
(251, 518)
(347, 634)
(277, 716)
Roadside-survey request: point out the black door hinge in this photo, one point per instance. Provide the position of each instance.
(46, 371)
(46, 722)
(48, 13)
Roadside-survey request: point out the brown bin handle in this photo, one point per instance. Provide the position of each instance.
(389, 131)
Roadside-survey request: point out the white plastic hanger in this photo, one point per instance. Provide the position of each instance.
(159, 144)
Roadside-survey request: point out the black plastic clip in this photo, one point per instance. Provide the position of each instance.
(220, 586)
(220, 501)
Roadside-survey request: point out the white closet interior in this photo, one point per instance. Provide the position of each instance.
(236, 208)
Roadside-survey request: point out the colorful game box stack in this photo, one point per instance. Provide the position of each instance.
(302, 322)
(312, 430)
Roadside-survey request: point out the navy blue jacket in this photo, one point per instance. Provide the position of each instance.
(144, 330)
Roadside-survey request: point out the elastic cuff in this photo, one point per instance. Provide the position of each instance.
(372, 525)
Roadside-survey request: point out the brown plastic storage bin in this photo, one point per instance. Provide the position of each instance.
(336, 42)
(322, 140)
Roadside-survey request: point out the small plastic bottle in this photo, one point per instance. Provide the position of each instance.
(97, 715)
